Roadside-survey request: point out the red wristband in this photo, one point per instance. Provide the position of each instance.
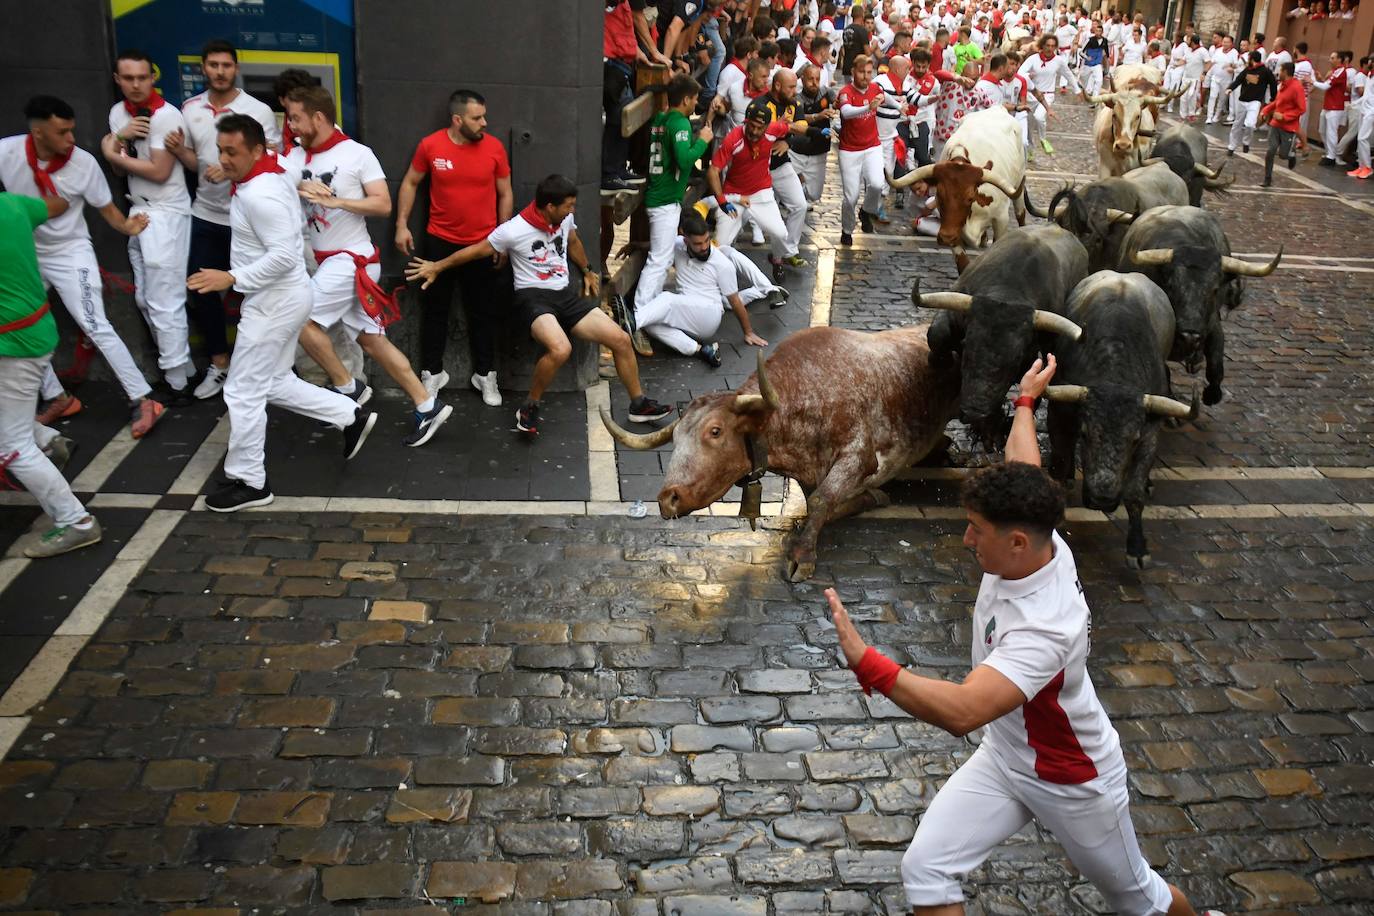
(1025, 401)
(876, 670)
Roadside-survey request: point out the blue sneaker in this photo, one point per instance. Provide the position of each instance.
(710, 353)
(428, 423)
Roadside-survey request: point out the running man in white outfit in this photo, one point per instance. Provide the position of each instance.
(1043, 71)
(136, 146)
(1048, 752)
(199, 152)
(46, 162)
(341, 183)
(267, 265)
(687, 319)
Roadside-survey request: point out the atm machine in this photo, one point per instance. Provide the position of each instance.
(270, 35)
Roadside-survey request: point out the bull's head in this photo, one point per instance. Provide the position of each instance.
(1198, 283)
(710, 451)
(1130, 115)
(1086, 216)
(1114, 424)
(957, 183)
(999, 342)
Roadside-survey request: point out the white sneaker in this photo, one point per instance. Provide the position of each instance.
(433, 382)
(491, 395)
(758, 235)
(212, 384)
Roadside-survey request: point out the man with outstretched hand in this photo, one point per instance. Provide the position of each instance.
(1048, 751)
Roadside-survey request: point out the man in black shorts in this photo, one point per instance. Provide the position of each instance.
(542, 243)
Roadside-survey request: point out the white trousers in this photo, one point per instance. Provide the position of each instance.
(261, 374)
(1188, 103)
(791, 197)
(1302, 118)
(811, 171)
(1217, 101)
(1331, 124)
(860, 167)
(984, 802)
(1173, 78)
(1091, 79)
(1366, 133)
(663, 226)
(763, 209)
(753, 283)
(679, 321)
(1243, 127)
(1039, 117)
(334, 297)
(158, 256)
(74, 272)
(1353, 119)
(19, 382)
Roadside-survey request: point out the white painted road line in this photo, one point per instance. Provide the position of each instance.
(203, 463)
(602, 470)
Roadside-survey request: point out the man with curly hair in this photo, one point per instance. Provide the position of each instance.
(1048, 750)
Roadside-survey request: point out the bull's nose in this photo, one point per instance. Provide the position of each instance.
(668, 502)
(1191, 340)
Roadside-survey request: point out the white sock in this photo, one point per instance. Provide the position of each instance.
(426, 406)
(85, 524)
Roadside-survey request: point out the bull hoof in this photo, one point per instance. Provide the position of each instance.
(879, 498)
(1212, 394)
(800, 571)
(1140, 562)
(938, 456)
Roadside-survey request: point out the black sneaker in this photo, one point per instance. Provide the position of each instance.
(622, 313)
(1230, 152)
(527, 419)
(777, 298)
(647, 410)
(236, 495)
(899, 200)
(710, 354)
(865, 220)
(632, 178)
(846, 238)
(427, 424)
(614, 184)
(1245, 148)
(1292, 162)
(361, 392)
(1267, 183)
(1327, 163)
(183, 397)
(356, 433)
(779, 270)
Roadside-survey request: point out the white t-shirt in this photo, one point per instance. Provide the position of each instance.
(80, 180)
(711, 280)
(539, 258)
(345, 167)
(1035, 631)
(1224, 65)
(1065, 35)
(1277, 59)
(1194, 62)
(1133, 52)
(212, 198)
(167, 195)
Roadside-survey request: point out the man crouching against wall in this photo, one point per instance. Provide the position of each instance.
(1048, 751)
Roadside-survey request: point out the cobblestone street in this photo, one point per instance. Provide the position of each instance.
(492, 691)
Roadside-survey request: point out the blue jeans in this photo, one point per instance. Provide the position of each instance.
(712, 30)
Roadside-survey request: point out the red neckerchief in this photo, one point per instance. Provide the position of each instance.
(334, 140)
(989, 78)
(42, 175)
(267, 164)
(536, 219)
(814, 61)
(750, 93)
(154, 102)
(1047, 59)
(737, 64)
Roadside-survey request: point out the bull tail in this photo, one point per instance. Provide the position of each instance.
(1030, 205)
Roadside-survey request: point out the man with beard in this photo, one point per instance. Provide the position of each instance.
(267, 265)
(861, 154)
(341, 184)
(136, 146)
(1043, 71)
(46, 163)
(810, 150)
(686, 319)
(781, 101)
(469, 196)
(198, 151)
(743, 158)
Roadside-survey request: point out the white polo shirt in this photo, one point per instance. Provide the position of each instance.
(538, 257)
(79, 182)
(212, 198)
(709, 280)
(1035, 631)
(164, 195)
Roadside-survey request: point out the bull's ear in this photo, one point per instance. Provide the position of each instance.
(988, 167)
(983, 200)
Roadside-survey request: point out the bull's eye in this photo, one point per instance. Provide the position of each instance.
(715, 432)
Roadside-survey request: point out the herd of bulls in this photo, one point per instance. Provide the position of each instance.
(1129, 272)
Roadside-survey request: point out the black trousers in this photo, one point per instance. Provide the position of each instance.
(209, 249)
(485, 290)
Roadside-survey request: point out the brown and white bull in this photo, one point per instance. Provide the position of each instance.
(840, 412)
(972, 197)
(1125, 125)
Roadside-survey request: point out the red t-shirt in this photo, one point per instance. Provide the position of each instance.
(861, 132)
(462, 185)
(747, 163)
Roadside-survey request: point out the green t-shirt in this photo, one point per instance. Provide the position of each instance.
(21, 288)
(965, 53)
(672, 152)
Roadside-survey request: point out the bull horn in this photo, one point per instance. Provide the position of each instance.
(1067, 394)
(950, 302)
(1206, 172)
(1153, 99)
(1057, 324)
(910, 178)
(1119, 216)
(1249, 269)
(1218, 184)
(1144, 132)
(770, 394)
(1168, 407)
(1102, 98)
(1153, 257)
(999, 184)
(637, 441)
(1151, 161)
